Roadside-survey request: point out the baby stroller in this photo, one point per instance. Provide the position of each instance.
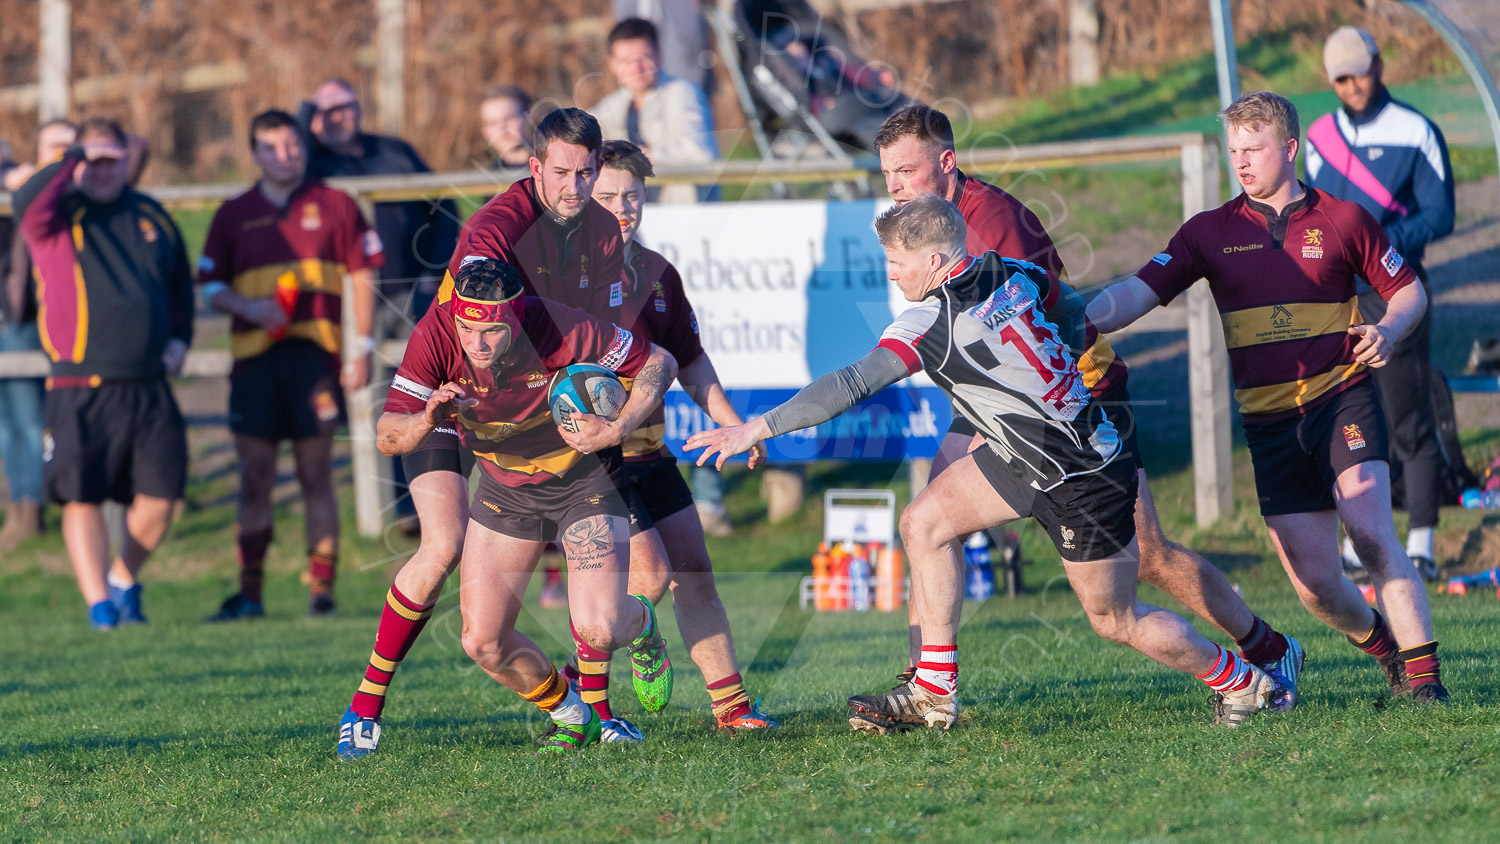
(800, 82)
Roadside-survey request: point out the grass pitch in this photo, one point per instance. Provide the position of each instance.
(181, 730)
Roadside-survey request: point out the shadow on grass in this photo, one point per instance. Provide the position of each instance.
(228, 742)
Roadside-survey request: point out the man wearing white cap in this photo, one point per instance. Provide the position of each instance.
(1387, 157)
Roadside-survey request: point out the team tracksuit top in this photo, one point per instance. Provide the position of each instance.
(113, 281)
(1391, 161)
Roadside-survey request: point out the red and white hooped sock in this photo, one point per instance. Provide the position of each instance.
(937, 671)
(1229, 673)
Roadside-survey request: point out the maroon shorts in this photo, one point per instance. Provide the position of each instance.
(539, 512)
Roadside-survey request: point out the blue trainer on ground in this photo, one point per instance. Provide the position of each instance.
(128, 602)
(357, 736)
(104, 616)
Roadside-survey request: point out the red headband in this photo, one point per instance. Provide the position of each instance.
(487, 312)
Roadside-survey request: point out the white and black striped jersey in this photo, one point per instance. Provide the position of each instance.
(982, 337)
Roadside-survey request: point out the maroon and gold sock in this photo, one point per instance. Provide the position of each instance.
(401, 621)
(549, 694)
(320, 572)
(728, 698)
(1262, 644)
(593, 676)
(1379, 642)
(253, 548)
(1422, 664)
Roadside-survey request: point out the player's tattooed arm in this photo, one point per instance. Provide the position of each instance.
(651, 383)
(402, 433)
(587, 543)
(594, 433)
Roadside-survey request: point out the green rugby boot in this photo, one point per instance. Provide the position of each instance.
(650, 668)
(571, 738)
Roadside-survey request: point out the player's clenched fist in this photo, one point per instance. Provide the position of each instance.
(447, 402)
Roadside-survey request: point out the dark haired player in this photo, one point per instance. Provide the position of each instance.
(557, 243)
(274, 261)
(666, 543)
(1281, 260)
(917, 157)
(484, 360)
(979, 328)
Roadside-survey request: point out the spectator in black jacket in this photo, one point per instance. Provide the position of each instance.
(115, 297)
(419, 236)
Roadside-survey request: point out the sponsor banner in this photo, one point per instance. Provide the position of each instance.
(899, 423)
(782, 291)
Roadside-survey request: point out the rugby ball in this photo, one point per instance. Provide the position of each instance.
(585, 388)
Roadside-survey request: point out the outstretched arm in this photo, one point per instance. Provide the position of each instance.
(818, 402)
(1122, 304)
(701, 382)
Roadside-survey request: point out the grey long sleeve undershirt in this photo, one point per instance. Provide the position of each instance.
(836, 392)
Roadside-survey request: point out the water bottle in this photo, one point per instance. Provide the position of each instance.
(821, 576)
(859, 580)
(1481, 499)
(979, 574)
(838, 570)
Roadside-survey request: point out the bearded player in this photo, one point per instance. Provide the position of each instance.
(917, 157)
(666, 543)
(538, 227)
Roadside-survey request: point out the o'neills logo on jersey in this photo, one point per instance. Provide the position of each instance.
(312, 219)
(1249, 247)
(1353, 437)
(148, 231)
(1312, 243)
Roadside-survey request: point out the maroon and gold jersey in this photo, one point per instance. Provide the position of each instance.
(656, 307)
(1284, 286)
(297, 254)
(578, 265)
(1001, 223)
(511, 429)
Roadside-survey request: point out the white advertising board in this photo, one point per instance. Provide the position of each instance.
(784, 291)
